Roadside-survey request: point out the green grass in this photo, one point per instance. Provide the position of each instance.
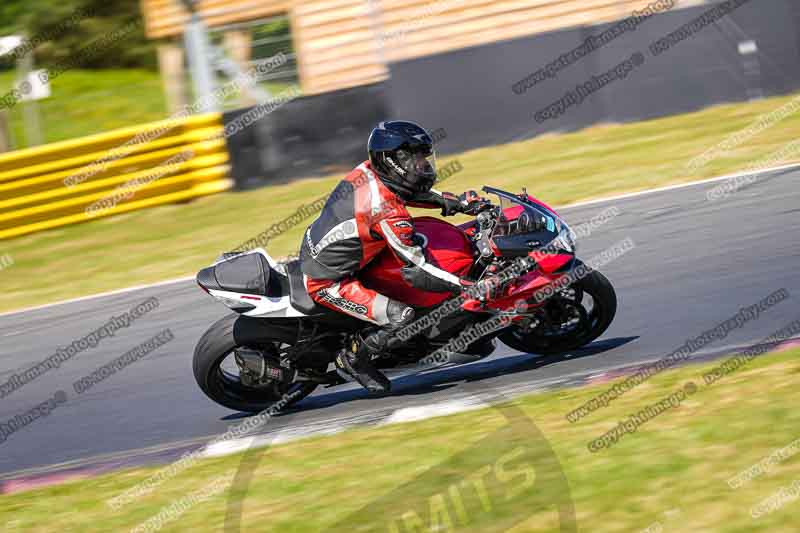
(178, 240)
(677, 463)
(85, 102)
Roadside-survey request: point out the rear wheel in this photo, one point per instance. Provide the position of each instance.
(571, 318)
(221, 377)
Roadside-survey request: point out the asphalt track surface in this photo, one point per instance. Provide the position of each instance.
(694, 265)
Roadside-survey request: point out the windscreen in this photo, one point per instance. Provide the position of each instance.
(518, 217)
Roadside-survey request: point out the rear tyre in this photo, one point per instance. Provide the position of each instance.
(220, 341)
(592, 323)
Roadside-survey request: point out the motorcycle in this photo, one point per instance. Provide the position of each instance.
(277, 346)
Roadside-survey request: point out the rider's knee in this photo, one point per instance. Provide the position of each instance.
(399, 314)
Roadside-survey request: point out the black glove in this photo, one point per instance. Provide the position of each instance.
(472, 204)
(451, 205)
(469, 203)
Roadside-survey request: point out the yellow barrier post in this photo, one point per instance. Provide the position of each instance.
(74, 181)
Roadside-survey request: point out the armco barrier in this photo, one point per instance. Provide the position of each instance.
(143, 166)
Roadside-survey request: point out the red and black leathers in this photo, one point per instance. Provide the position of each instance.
(361, 217)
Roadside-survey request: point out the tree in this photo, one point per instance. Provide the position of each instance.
(11, 11)
(99, 18)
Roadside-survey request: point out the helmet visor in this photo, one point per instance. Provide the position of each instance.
(420, 167)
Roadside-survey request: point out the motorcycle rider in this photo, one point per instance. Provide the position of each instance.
(366, 213)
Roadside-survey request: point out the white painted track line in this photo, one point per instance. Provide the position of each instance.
(99, 295)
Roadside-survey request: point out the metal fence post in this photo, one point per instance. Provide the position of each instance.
(30, 108)
(5, 132)
(199, 53)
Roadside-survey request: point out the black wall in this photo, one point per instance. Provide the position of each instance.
(468, 92)
(307, 136)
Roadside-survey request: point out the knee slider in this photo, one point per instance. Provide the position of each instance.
(399, 314)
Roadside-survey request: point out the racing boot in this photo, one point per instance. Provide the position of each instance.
(356, 359)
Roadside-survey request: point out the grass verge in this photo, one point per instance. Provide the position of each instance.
(673, 471)
(177, 240)
(85, 102)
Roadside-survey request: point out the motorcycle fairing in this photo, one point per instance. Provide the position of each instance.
(272, 303)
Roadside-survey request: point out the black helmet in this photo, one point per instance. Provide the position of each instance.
(402, 155)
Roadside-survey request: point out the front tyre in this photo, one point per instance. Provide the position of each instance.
(583, 313)
(216, 349)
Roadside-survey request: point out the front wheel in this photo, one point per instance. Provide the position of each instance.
(571, 319)
(216, 372)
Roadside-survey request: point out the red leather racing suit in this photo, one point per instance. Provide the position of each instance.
(362, 217)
